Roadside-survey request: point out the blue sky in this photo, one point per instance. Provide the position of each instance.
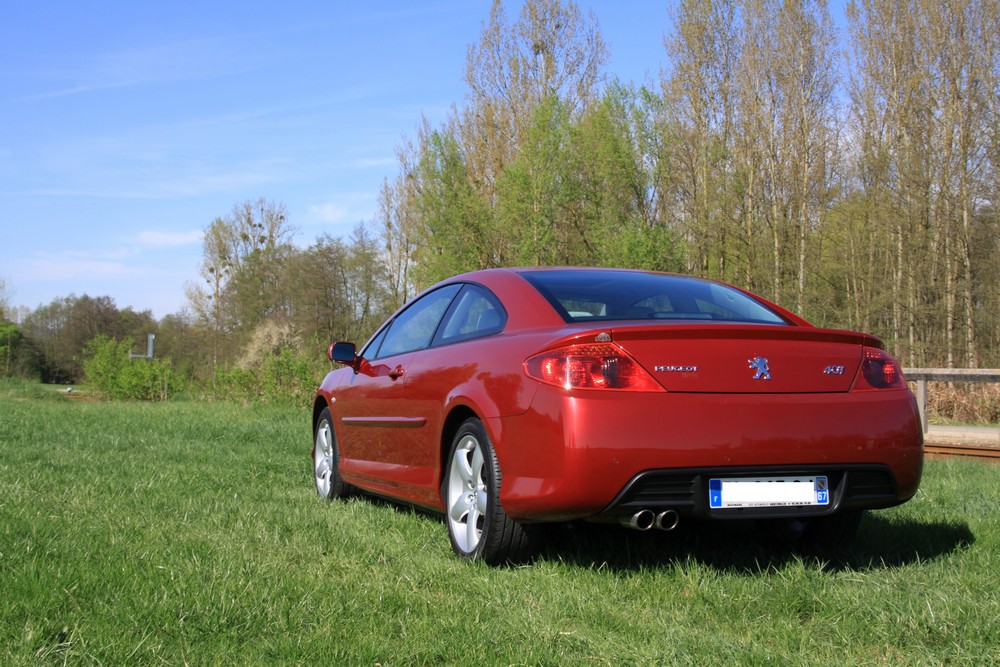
(126, 128)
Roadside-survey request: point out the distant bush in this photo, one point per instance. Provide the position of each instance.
(285, 377)
(276, 367)
(29, 389)
(964, 402)
(19, 355)
(109, 369)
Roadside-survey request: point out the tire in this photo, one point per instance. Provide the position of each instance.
(478, 527)
(826, 532)
(326, 460)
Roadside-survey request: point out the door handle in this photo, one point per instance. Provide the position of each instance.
(396, 373)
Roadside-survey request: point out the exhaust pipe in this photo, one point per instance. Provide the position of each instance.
(667, 520)
(641, 520)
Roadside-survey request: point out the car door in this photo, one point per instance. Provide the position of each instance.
(384, 439)
(435, 373)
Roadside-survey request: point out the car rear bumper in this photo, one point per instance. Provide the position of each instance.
(686, 491)
(600, 455)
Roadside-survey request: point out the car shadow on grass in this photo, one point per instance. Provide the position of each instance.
(741, 547)
(729, 546)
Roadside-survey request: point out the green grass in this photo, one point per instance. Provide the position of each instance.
(187, 532)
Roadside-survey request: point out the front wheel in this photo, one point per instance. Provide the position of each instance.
(478, 526)
(326, 460)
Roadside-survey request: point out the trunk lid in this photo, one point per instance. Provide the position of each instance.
(745, 358)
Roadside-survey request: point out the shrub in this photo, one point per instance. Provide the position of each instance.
(287, 377)
(276, 367)
(113, 373)
(19, 355)
(964, 402)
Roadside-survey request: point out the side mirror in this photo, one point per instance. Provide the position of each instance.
(344, 353)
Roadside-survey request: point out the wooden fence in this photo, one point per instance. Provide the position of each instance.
(923, 375)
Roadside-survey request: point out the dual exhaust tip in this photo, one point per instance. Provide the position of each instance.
(647, 519)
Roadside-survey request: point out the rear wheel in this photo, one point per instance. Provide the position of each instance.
(326, 460)
(478, 526)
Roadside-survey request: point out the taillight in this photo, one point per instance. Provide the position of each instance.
(879, 370)
(590, 366)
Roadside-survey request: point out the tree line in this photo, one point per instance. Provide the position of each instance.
(856, 185)
(850, 178)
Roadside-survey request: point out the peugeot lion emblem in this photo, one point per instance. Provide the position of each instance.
(759, 364)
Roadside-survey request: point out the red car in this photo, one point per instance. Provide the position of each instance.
(507, 398)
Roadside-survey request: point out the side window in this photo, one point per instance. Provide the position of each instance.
(476, 313)
(371, 349)
(414, 328)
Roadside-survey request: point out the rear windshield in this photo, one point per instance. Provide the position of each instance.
(583, 296)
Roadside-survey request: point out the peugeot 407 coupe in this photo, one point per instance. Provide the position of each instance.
(508, 398)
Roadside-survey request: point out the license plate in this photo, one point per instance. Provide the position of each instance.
(768, 491)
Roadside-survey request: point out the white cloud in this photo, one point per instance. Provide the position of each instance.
(327, 213)
(66, 267)
(118, 262)
(155, 239)
(368, 163)
(151, 64)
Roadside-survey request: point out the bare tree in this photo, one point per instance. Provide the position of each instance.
(924, 100)
(243, 255)
(700, 94)
(552, 50)
(787, 106)
(5, 297)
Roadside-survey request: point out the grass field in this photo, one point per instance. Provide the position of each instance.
(188, 532)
